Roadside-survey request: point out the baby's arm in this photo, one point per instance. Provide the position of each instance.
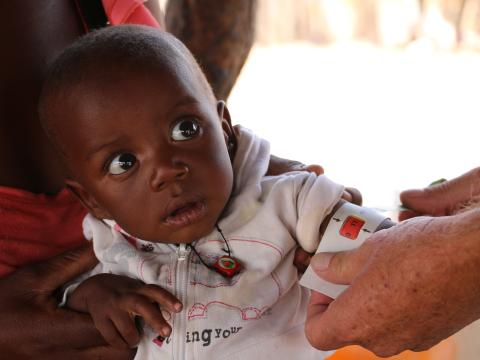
(325, 218)
(346, 227)
(385, 224)
(114, 301)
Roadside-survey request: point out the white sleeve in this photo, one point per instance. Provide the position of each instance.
(72, 285)
(316, 197)
(91, 229)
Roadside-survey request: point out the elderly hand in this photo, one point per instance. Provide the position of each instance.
(411, 286)
(33, 327)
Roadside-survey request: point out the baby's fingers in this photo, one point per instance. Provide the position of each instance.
(145, 307)
(152, 315)
(162, 297)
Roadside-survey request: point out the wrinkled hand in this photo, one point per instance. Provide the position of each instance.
(114, 301)
(411, 286)
(33, 327)
(446, 198)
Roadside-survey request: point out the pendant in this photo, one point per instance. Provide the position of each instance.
(227, 266)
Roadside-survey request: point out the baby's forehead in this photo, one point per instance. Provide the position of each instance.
(110, 59)
(128, 85)
(110, 74)
(113, 67)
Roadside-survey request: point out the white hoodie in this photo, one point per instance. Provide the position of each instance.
(260, 312)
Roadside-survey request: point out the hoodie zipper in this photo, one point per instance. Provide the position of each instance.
(181, 276)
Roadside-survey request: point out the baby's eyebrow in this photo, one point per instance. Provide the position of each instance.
(186, 100)
(96, 149)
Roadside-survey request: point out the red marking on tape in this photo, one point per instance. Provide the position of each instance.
(351, 227)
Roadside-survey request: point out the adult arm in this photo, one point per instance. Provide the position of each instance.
(412, 285)
(33, 327)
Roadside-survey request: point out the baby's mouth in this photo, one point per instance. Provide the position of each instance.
(186, 214)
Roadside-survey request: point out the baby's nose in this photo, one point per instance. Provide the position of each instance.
(164, 175)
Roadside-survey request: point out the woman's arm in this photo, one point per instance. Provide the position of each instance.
(33, 327)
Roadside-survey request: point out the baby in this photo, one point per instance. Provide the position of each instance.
(195, 243)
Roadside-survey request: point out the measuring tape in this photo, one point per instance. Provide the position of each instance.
(347, 229)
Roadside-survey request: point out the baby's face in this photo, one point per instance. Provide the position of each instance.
(148, 149)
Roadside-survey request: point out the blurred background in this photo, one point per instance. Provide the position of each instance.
(379, 92)
(382, 93)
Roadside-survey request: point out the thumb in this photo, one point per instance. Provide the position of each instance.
(444, 198)
(53, 273)
(341, 267)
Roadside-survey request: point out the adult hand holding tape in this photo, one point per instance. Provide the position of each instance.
(412, 285)
(347, 228)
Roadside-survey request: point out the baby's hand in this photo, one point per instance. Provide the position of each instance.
(114, 301)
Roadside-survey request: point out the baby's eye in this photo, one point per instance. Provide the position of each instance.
(121, 163)
(185, 129)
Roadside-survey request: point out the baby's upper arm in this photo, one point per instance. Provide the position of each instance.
(317, 196)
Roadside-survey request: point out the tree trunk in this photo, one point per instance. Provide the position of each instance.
(218, 33)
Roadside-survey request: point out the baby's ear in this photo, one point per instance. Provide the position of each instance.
(228, 130)
(87, 200)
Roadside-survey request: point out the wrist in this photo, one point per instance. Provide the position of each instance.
(465, 237)
(385, 224)
(78, 299)
(344, 229)
(327, 219)
(461, 231)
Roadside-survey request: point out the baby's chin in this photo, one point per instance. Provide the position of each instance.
(186, 235)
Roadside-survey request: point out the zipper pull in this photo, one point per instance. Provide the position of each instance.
(182, 252)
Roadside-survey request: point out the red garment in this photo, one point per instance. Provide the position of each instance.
(36, 227)
(129, 12)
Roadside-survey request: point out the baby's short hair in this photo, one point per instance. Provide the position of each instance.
(134, 45)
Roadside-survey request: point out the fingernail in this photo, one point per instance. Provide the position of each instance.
(436, 182)
(178, 306)
(165, 331)
(320, 262)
